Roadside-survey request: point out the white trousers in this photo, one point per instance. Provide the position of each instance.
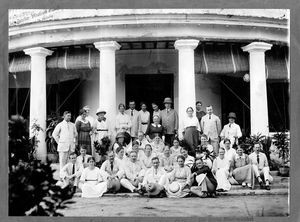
(265, 172)
(63, 158)
(127, 184)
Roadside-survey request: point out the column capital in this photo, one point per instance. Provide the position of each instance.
(186, 44)
(40, 51)
(257, 47)
(111, 45)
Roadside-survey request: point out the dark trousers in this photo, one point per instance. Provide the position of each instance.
(169, 139)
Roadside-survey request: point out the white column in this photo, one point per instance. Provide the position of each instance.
(258, 87)
(38, 97)
(186, 76)
(107, 83)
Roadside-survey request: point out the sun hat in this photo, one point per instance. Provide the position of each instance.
(232, 115)
(167, 100)
(120, 134)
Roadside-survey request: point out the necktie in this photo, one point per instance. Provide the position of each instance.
(229, 125)
(257, 157)
(209, 116)
(83, 159)
(131, 112)
(168, 110)
(73, 170)
(111, 167)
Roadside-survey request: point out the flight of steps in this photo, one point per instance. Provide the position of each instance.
(280, 186)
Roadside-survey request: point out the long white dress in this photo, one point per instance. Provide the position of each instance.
(94, 182)
(221, 166)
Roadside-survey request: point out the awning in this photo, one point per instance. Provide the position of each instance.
(230, 59)
(215, 59)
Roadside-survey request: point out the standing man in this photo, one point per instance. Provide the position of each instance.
(211, 126)
(134, 118)
(169, 118)
(65, 135)
(231, 131)
(156, 110)
(199, 113)
(144, 118)
(260, 166)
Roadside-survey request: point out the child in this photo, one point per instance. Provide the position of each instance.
(83, 157)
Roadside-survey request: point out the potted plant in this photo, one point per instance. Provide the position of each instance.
(281, 141)
(52, 154)
(101, 148)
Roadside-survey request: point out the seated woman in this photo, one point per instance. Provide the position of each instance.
(166, 160)
(120, 157)
(120, 142)
(203, 181)
(157, 145)
(175, 149)
(135, 147)
(241, 169)
(155, 129)
(114, 172)
(221, 171)
(180, 180)
(94, 180)
(146, 158)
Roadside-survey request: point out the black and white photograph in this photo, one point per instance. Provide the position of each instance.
(149, 112)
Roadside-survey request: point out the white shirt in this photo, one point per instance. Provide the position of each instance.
(102, 129)
(220, 163)
(132, 170)
(144, 117)
(145, 160)
(153, 175)
(65, 135)
(80, 160)
(190, 121)
(230, 131)
(229, 154)
(123, 120)
(263, 161)
(211, 126)
(134, 118)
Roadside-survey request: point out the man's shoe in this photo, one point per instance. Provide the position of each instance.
(268, 187)
(261, 184)
(243, 184)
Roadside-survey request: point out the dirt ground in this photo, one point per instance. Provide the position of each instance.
(224, 206)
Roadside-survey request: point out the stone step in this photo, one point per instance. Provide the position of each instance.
(233, 192)
(273, 185)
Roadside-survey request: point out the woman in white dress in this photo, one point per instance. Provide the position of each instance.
(191, 130)
(157, 146)
(94, 180)
(180, 180)
(221, 171)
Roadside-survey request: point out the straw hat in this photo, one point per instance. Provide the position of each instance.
(174, 187)
(114, 185)
(152, 189)
(99, 110)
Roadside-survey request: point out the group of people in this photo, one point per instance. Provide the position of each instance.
(155, 157)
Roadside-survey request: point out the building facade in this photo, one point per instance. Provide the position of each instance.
(235, 60)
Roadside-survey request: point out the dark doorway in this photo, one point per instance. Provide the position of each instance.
(236, 98)
(149, 88)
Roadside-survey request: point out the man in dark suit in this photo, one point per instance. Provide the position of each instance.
(169, 118)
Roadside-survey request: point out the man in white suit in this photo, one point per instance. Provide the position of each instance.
(134, 118)
(65, 135)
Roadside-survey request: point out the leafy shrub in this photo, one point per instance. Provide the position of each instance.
(32, 189)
